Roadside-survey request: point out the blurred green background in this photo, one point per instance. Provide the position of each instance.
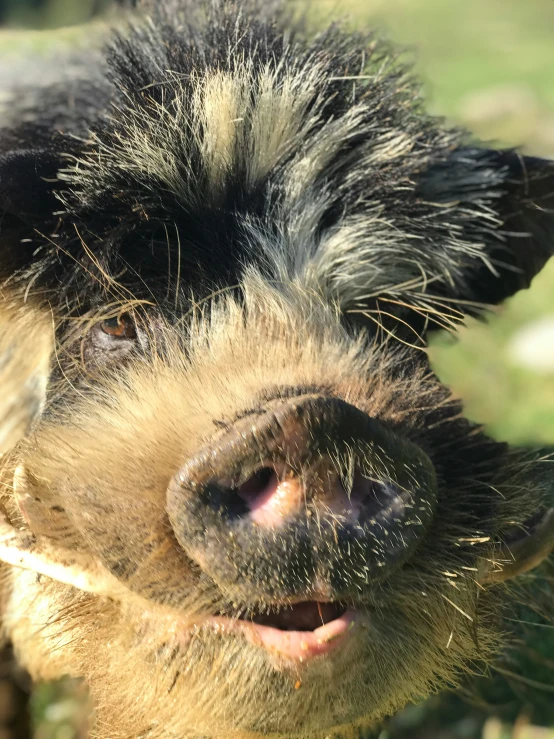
(488, 64)
(49, 13)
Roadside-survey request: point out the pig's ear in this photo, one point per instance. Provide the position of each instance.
(524, 549)
(518, 193)
(526, 207)
(27, 202)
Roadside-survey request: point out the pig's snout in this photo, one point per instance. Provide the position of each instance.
(273, 467)
(308, 496)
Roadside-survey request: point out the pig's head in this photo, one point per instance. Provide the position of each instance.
(251, 505)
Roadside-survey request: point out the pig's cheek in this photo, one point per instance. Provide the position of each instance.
(133, 539)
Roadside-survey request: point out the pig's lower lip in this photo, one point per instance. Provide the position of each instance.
(293, 632)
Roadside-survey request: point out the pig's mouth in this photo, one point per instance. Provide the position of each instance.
(296, 632)
(306, 616)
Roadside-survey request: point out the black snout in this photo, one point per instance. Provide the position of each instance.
(309, 498)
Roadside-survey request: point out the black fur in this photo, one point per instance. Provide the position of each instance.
(130, 217)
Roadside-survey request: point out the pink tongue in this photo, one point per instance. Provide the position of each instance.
(299, 645)
(303, 631)
(306, 616)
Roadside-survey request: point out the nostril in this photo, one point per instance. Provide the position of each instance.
(369, 493)
(377, 499)
(259, 487)
(362, 489)
(267, 497)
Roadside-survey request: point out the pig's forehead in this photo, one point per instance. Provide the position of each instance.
(228, 141)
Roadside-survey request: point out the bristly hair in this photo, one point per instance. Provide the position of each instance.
(203, 231)
(231, 139)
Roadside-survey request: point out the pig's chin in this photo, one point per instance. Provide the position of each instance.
(298, 632)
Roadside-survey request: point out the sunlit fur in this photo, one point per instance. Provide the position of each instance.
(276, 212)
(130, 432)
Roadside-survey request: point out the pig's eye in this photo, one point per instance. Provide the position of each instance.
(111, 339)
(121, 327)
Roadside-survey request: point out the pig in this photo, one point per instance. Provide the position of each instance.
(237, 501)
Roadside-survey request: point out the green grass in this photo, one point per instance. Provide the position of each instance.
(500, 388)
(54, 13)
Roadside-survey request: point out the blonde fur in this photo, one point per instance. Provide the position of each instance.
(106, 464)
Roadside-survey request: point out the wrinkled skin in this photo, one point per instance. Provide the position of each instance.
(237, 500)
